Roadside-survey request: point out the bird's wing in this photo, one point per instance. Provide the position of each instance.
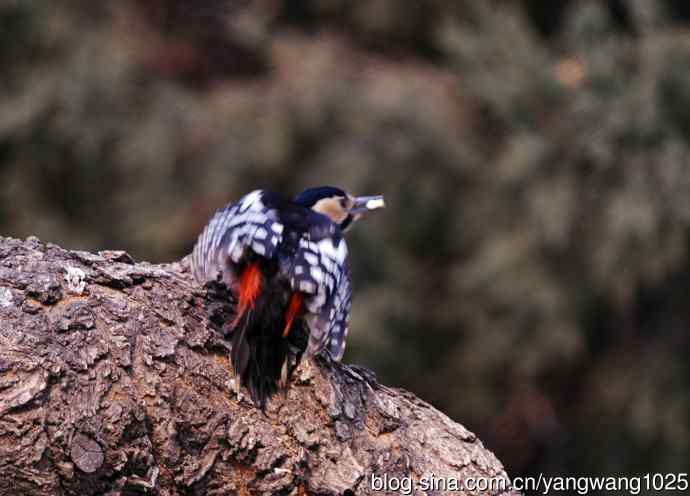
(319, 270)
(250, 225)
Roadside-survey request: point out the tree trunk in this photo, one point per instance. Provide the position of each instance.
(114, 380)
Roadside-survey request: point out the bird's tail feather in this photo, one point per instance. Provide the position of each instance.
(249, 291)
(261, 347)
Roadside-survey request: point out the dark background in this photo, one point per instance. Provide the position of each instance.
(530, 276)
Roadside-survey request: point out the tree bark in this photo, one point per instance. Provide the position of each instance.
(115, 379)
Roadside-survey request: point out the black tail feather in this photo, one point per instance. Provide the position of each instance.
(240, 353)
(259, 349)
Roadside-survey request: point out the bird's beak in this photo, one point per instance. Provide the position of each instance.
(364, 204)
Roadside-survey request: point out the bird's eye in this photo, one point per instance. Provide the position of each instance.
(343, 203)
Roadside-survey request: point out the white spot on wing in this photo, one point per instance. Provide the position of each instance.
(316, 274)
(311, 258)
(251, 199)
(337, 254)
(237, 253)
(307, 286)
(259, 248)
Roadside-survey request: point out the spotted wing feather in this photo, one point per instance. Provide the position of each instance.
(319, 269)
(248, 226)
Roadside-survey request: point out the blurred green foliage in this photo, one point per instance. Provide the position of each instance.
(530, 275)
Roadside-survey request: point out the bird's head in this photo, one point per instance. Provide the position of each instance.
(341, 207)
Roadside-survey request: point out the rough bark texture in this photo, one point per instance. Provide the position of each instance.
(113, 380)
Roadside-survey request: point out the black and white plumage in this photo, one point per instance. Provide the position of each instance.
(285, 260)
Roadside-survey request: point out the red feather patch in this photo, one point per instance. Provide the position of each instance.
(250, 287)
(293, 310)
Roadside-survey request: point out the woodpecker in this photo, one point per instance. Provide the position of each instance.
(285, 263)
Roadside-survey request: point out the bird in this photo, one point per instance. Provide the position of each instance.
(285, 263)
